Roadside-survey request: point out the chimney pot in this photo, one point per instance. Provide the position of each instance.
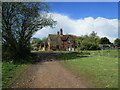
(61, 32)
(58, 33)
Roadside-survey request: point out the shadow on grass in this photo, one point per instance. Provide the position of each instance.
(30, 59)
(72, 55)
(36, 57)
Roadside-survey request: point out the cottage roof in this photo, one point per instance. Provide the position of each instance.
(67, 37)
(53, 37)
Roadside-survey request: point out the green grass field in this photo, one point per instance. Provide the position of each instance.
(10, 72)
(12, 69)
(97, 67)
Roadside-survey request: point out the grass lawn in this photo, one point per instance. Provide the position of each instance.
(55, 51)
(12, 70)
(98, 67)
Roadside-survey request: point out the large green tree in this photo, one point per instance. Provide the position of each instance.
(104, 40)
(94, 38)
(20, 20)
(117, 42)
(88, 42)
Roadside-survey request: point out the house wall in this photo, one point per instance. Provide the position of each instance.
(61, 42)
(49, 43)
(64, 45)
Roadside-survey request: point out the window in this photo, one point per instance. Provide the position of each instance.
(68, 46)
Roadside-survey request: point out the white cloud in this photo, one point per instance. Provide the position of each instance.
(103, 27)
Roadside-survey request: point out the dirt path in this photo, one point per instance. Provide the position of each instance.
(48, 74)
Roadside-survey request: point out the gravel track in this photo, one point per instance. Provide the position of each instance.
(47, 74)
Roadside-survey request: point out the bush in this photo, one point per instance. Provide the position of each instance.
(90, 46)
(94, 47)
(31, 58)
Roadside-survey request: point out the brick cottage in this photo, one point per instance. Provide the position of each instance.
(59, 42)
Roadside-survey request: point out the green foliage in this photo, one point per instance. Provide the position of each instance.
(20, 21)
(12, 69)
(79, 40)
(9, 72)
(44, 39)
(36, 42)
(104, 40)
(117, 42)
(93, 37)
(89, 46)
(88, 42)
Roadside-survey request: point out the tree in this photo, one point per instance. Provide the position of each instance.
(36, 42)
(94, 38)
(45, 39)
(117, 42)
(79, 40)
(20, 20)
(88, 42)
(104, 40)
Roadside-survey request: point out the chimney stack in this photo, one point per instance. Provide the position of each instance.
(58, 33)
(61, 32)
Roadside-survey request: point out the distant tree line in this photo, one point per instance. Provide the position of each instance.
(36, 42)
(92, 41)
(84, 42)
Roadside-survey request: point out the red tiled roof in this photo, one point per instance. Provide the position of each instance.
(66, 37)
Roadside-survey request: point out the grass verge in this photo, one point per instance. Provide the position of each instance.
(98, 67)
(12, 69)
(10, 72)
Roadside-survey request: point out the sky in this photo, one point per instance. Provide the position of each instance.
(77, 10)
(81, 18)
